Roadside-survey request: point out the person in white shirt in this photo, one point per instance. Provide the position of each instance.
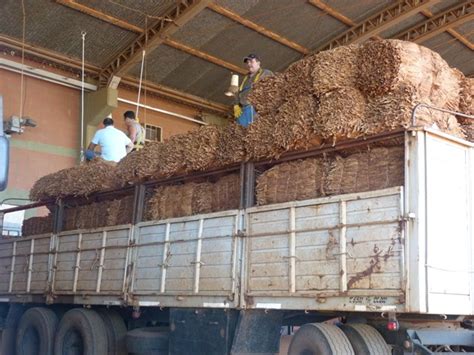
(113, 143)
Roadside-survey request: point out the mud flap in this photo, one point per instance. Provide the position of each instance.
(257, 332)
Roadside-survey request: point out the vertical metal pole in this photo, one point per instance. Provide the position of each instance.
(343, 245)
(242, 185)
(58, 217)
(138, 203)
(249, 183)
(234, 253)
(197, 263)
(164, 264)
(78, 263)
(55, 261)
(101, 262)
(12, 268)
(30, 265)
(292, 251)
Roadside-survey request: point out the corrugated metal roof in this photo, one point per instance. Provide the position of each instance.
(56, 27)
(455, 53)
(133, 11)
(467, 30)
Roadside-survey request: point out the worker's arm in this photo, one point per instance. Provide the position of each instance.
(132, 133)
(129, 147)
(92, 146)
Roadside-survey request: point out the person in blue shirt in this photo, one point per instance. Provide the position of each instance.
(244, 112)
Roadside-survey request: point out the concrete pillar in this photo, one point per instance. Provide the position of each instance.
(97, 106)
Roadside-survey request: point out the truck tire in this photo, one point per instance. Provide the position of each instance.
(116, 331)
(150, 340)
(35, 333)
(11, 324)
(366, 340)
(81, 331)
(320, 339)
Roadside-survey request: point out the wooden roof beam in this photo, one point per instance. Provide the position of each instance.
(428, 14)
(379, 22)
(452, 32)
(169, 42)
(257, 28)
(332, 12)
(152, 37)
(453, 16)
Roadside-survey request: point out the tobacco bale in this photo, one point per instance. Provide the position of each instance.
(140, 165)
(201, 148)
(230, 146)
(466, 105)
(37, 225)
(294, 127)
(259, 140)
(268, 93)
(226, 193)
(341, 114)
(290, 128)
(373, 169)
(81, 180)
(125, 212)
(192, 151)
(173, 157)
(202, 198)
(466, 96)
(295, 180)
(385, 65)
(170, 201)
(335, 68)
(394, 110)
(391, 66)
(298, 77)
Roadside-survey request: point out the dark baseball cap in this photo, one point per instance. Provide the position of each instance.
(251, 56)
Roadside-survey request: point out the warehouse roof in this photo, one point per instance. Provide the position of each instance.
(192, 46)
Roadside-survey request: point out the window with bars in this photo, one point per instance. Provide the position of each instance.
(153, 133)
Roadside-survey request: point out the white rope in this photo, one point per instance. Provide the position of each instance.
(22, 56)
(140, 84)
(83, 34)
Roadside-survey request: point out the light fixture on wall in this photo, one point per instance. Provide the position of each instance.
(17, 124)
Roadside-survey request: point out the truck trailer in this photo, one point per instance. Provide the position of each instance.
(385, 271)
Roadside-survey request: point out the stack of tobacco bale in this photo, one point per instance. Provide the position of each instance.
(99, 214)
(209, 147)
(372, 169)
(81, 180)
(193, 198)
(351, 92)
(37, 225)
(466, 105)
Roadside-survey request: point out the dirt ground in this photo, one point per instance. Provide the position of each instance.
(285, 344)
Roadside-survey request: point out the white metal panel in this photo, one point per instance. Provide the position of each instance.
(191, 256)
(449, 220)
(415, 198)
(311, 233)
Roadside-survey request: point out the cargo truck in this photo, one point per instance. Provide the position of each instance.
(377, 272)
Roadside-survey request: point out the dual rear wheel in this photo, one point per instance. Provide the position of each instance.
(80, 331)
(328, 339)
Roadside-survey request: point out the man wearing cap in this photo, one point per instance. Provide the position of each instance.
(244, 112)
